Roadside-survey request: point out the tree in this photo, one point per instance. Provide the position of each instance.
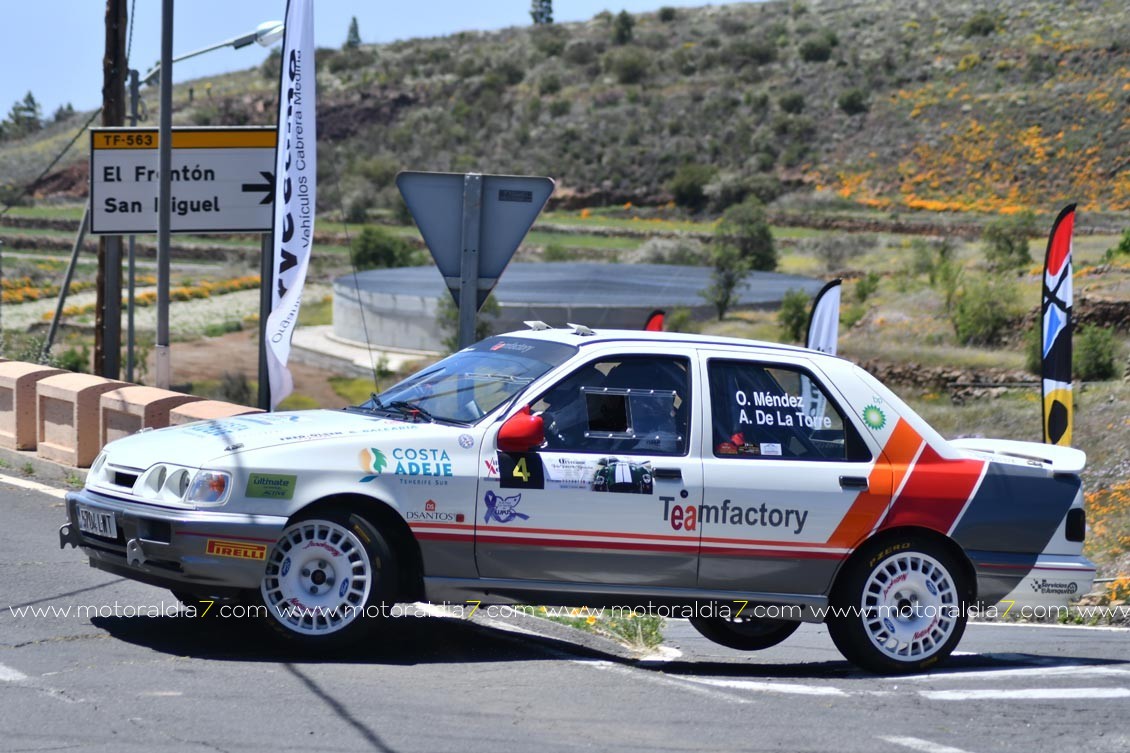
(1005, 241)
(447, 317)
(688, 186)
(353, 36)
(541, 11)
(793, 315)
(745, 227)
(62, 112)
(622, 28)
(23, 118)
(375, 248)
(730, 269)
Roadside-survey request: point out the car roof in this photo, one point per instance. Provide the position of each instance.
(583, 336)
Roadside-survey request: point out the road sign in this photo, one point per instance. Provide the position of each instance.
(472, 224)
(222, 180)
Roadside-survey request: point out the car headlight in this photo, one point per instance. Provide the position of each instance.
(209, 488)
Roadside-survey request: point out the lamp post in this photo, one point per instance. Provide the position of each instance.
(265, 34)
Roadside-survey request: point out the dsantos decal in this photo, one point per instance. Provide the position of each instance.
(431, 514)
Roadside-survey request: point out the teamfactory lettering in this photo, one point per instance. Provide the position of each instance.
(776, 410)
(688, 517)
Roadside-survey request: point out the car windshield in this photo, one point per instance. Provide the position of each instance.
(467, 385)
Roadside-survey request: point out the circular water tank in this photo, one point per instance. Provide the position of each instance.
(400, 305)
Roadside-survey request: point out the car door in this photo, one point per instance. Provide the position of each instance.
(603, 500)
(787, 473)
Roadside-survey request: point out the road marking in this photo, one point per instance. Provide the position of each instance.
(925, 746)
(34, 486)
(1020, 672)
(1028, 694)
(7, 674)
(1104, 628)
(770, 687)
(655, 677)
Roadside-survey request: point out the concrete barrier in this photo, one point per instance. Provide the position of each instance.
(207, 410)
(127, 410)
(69, 417)
(18, 403)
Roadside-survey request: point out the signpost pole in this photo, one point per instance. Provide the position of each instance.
(164, 214)
(469, 261)
(134, 95)
(266, 284)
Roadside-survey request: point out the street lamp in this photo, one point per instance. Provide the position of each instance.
(265, 34)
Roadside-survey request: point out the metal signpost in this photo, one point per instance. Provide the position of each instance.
(221, 181)
(472, 224)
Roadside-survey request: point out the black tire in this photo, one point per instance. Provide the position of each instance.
(901, 606)
(744, 633)
(328, 579)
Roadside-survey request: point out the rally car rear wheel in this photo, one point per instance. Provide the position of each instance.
(744, 633)
(900, 607)
(327, 577)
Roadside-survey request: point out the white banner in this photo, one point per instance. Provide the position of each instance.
(295, 177)
(823, 334)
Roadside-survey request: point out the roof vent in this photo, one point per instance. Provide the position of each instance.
(537, 326)
(580, 329)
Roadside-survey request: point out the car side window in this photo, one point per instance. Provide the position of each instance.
(777, 412)
(636, 405)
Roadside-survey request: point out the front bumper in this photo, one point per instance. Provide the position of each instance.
(198, 551)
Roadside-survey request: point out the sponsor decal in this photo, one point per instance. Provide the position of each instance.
(901, 578)
(931, 588)
(430, 513)
(344, 587)
(874, 417)
(726, 448)
(373, 460)
(501, 509)
(235, 425)
(688, 517)
(466, 441)
(1044, 586)
(520, 470)
(285, 567)
(270, 486)
(516, 347)
(770, 448)
(926, 630)
(615, 475)
(492, 467)
(323, 545)
(564, 472)
(890, 626)
(240, 550)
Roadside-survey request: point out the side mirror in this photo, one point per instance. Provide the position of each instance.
(522, 432)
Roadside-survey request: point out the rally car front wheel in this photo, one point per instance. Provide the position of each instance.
(327, 578)
(900, 606)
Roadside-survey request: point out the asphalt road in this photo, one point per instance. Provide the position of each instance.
(169, 682)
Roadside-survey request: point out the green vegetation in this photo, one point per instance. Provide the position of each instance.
(793, 316)
(730, 270)
(745, 227)
(1005, 241)
(377, 248)
(1094, 354)
(983, 308)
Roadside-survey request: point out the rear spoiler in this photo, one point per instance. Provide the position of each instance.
(1057, 459)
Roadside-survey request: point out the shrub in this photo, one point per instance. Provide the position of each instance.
(1094, 354)
(980, 24)
(630, 65)
(559, 107)
(792, 102)
(730, 269)
(376, 248)
(1122, 249)
(727, 189)
(1005, 241)
(866, 286)
(667, 14)
(447, 317)
(235, 388)
(792, 317)
(853, 101)
(688, 185)
(549, 84)
(817, 49)
(745, 227)
(681, 320)
(982, 310)
(580, 52)
(622, 28)
(669, 251)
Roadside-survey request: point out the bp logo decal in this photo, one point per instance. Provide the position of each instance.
(874, 417)
(373, 460)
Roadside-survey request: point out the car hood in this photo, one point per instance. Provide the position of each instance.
(208, 443)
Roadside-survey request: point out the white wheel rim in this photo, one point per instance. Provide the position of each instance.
(318, 578)
(910, 606)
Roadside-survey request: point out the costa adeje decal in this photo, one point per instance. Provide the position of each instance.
(501, 509)
(240, 550)
(409, 462)
(688, 517)
(373, 460)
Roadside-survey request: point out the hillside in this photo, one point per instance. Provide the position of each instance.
(892, 105)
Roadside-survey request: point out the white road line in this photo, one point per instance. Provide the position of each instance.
(1022, 672)
(925, 746)
(770, 687)
(7, 674)
(1104, 628)
(1028, 694)
(34, 486)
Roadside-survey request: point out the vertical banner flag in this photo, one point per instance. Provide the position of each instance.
(295, 171)
(823, 332)
(1055, 334)
(655, 321)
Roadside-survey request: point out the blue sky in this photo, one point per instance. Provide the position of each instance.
(54, 47)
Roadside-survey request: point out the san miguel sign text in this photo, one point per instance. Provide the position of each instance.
(222, 180)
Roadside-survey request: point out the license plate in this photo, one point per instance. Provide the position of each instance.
(97, 522)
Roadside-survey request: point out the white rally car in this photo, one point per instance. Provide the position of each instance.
(616, 468)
